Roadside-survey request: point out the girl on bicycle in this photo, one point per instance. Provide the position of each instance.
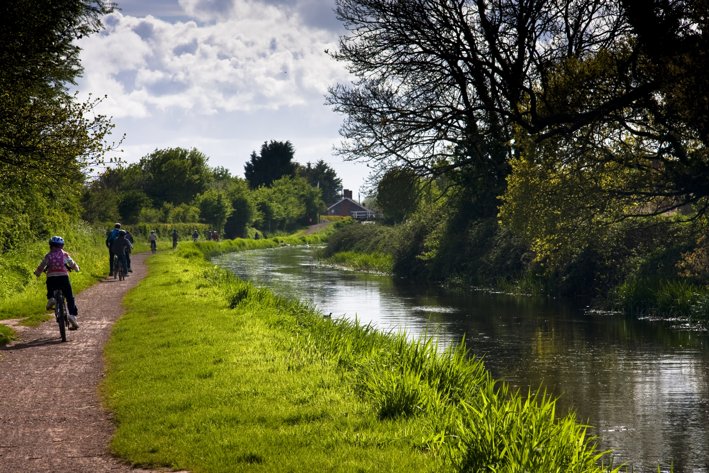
(57, 263)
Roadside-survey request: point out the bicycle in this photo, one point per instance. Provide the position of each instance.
(119, 268)
(153, 246)
(60, 313)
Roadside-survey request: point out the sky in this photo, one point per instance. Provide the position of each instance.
(221, 76)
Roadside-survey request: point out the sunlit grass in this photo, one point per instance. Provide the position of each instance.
(195, 384)
(211, 374)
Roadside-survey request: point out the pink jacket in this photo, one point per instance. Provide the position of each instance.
(56, 262)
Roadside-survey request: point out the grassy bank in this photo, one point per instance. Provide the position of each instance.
(210, 374)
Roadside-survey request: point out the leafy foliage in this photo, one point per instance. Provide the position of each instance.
(273, 162)
(47, 138)
(397, 194)
(286, 204)
(175, 175)
(324, 178)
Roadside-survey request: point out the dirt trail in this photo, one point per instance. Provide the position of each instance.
(51, 417)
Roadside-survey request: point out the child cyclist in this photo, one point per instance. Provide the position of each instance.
(57, 264)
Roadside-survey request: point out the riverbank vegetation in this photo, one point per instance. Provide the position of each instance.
(571, 166)
(234, 378)
(653, 267)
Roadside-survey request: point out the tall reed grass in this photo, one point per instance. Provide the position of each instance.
(666, 298)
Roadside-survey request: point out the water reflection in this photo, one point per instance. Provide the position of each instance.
(643, 386)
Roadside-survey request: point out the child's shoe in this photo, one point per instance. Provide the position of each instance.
(51, 303)
(73, 324)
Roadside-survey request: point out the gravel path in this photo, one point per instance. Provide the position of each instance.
(51, 417)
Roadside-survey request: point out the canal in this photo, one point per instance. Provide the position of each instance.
(642, 385)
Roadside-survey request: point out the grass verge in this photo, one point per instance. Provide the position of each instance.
(211, 374)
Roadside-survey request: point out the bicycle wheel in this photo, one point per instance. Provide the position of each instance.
(60, 313)
(116, 263)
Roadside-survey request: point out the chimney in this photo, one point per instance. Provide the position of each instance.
(347, 194)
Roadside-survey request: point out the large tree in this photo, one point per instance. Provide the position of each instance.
(445, 85)
(273, 162)
(47, 137)
(175, 175)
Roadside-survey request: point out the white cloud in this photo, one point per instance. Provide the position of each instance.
(258, 57)
(221, 76)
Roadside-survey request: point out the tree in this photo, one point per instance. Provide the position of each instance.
(323, 177)
(214, 208)
(131, 204)
(174, 175)
(445, 85)
(397, 194)
(288, 203)
(274, 161)
(47, 138)
(244, 211)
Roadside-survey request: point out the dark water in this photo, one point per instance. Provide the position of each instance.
(643, 386)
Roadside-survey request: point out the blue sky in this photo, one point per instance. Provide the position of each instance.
(222, 76)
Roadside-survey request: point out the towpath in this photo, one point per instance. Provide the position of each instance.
(51, 416)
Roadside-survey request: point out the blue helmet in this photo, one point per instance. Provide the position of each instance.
(56, 241)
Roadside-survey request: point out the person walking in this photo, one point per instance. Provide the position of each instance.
(153, 239)
(129, 237)
(111, 235)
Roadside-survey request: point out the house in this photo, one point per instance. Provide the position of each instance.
(346, 207)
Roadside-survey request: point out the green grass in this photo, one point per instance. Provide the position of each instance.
(211, 374)
(198, 385)
(375, 262)
(665, 298)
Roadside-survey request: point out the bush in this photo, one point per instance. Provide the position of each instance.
(362, 238)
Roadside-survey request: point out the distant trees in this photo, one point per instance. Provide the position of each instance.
(273, 162)
(178, 185)
(175, 175)
(214, 208)
(323, 177)
(288, 203)
(398, 194)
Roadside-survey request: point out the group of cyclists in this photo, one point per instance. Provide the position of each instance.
(57, 263)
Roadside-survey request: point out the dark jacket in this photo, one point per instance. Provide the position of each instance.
(121, 246)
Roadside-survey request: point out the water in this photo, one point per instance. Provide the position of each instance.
(643, 386)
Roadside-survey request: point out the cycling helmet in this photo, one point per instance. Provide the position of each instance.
(118, 225)
(122, 232)
(57, 241)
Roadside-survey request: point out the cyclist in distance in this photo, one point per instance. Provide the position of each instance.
(110, 237)
(153, 238)
(121, 246)
(57, 264)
